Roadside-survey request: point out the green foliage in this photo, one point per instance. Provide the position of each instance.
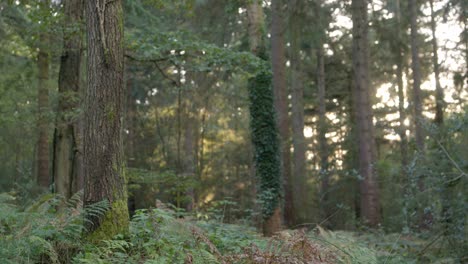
(38, 232)
(265, 140)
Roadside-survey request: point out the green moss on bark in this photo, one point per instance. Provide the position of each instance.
(114, 222)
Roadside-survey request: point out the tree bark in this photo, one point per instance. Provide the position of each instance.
(297, 109)
(264, 130)
(103, 155)
(43, 176)
(439, 115)
(415, 65)
(322, 130)
(67, 146)
(401, 95)
(370, 204)
(278, 60)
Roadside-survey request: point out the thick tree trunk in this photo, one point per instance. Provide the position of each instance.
(42, 158)
(278, 60)
(439, 116)
(297, 109)
(67, 149)
(103, 157)
(370, 204)
(263, 126)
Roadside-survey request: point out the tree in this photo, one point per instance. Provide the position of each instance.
(415, 66)
(67, 171)
(42, 158)
(370, 204)
(297, 107)
(439, 113)
(263, 127)
(102, 145)
(278, 61)
(42, 147)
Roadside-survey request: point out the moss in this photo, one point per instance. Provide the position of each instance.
(110, 112)
(115, 221)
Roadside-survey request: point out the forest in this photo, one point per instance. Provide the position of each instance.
(233, 131)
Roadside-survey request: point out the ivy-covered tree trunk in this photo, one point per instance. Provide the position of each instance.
(369, 189)
(103, 158)
(278, 61)
(264, 130)
(42, 158)
(67, 145)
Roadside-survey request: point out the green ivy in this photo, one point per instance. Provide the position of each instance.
(265, 140)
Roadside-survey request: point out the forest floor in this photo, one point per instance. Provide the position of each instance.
(38, 234)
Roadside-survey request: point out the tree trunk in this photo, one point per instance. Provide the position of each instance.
(264, 130)
(297, 96)
(281, 106)
(415, 65)
(370, 204)
(43, 177)
(189, 152)
(67, 154)
(401, 96)
(103, 157)
(439, 116)
(322, 130)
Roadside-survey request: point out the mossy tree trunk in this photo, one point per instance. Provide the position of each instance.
(264, 130)
(103, 158)
(67, 145)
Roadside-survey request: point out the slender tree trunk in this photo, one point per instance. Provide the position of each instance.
(370, 204)
(322, 130)
(278, 60)
(42, 158)
(299, 161)
(189, 152)
(401, 96)
(66, 144)
(415, 65)
(439, 116)
(103, 155)
(130, 124)
(263, 127)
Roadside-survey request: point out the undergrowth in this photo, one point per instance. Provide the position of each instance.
(50, 231)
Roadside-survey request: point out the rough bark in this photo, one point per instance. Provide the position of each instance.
(263, 126)
(103, 156)
(370, 204)
(278, 60)
(439, 113)
(67, 146)
(42, 158)
(297, 112)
